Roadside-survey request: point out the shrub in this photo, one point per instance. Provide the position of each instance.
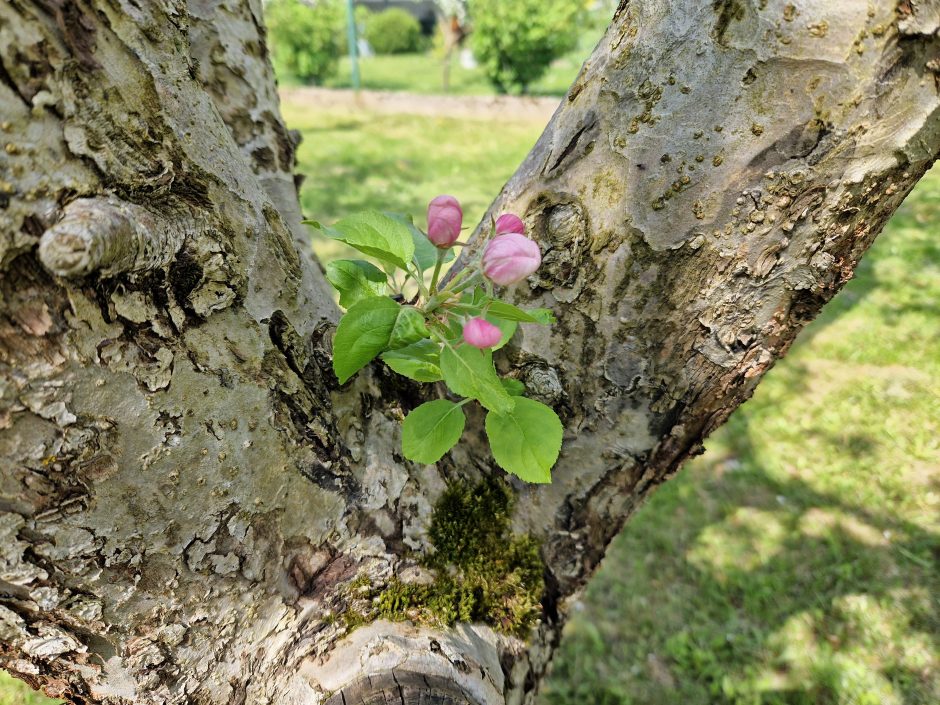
(306, 38)
(393, 31)
(515, 42)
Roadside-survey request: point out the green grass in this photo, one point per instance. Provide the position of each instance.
(415, 73)
(423, 73)
(14, 692)
(355, 161)
(797, 561)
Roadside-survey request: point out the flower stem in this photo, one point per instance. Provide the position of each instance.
(437, 270)
(419, 280)
(471, 281)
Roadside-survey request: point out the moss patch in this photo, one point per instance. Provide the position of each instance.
(483, 572)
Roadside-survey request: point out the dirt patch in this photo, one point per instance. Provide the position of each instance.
(523, 109)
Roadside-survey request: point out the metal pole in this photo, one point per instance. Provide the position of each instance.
(351, 38)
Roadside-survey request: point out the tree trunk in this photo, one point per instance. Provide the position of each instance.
(193, 511)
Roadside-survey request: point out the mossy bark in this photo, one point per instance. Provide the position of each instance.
(192, 510)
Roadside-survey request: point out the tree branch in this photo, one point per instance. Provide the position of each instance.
(708, 184)
(108, 236)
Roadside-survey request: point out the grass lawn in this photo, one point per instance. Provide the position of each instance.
(796, 562)
(415, 73)
(14, 692)
(423, 73)
(355, 161)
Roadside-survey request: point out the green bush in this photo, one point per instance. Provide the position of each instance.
(393, 31)
(515, 42)
(306, 39)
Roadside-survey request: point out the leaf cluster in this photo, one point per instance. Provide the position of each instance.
(415, 328)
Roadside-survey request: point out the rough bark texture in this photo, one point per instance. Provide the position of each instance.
(191, 509)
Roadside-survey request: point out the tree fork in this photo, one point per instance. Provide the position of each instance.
(193, 511)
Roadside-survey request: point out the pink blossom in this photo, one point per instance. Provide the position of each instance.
(509, 223)
(444, 220)
(510, 258)
(480, 333)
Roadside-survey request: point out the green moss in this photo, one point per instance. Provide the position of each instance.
(354, 618)
(361, 581)
(484, 573)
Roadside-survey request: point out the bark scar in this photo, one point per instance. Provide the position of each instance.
(588, 127)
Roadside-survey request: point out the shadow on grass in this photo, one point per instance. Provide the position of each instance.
(770, 592)
(783, 624)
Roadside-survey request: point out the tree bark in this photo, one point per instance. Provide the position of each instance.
(193, 511)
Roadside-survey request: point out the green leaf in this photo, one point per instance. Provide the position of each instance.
(409, 328)
(542, 316)
(371, 326)
(475, 297)
(355, 279)
(513, 386)
(526, 440)
(420, 361)
(431, 430)
(377, 235)
(508, 329)
(425, 252)
(470, 373)
(453, 330)
(471, 302)
(363, 333)
(508, 312)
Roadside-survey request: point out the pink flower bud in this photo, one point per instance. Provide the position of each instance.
(480, 333)
(444, 220)
(509, 223)
(510, 258)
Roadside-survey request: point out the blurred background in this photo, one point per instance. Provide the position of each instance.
(798, 560)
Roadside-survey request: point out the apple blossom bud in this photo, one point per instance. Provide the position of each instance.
(480, 333)
(444, 220)
(509, 223)
(510, 258)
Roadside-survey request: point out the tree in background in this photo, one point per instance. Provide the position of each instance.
(453, 29)
(393, 31)
(515, 42)
(307, 39)
(453, 8)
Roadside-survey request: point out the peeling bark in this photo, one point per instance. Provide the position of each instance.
(193, 511)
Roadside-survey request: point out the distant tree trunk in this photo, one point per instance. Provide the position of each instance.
(453, 33)
(193, 511)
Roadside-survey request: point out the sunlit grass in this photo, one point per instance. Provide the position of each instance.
(424, 73)
(358, 161)
(14, 692)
